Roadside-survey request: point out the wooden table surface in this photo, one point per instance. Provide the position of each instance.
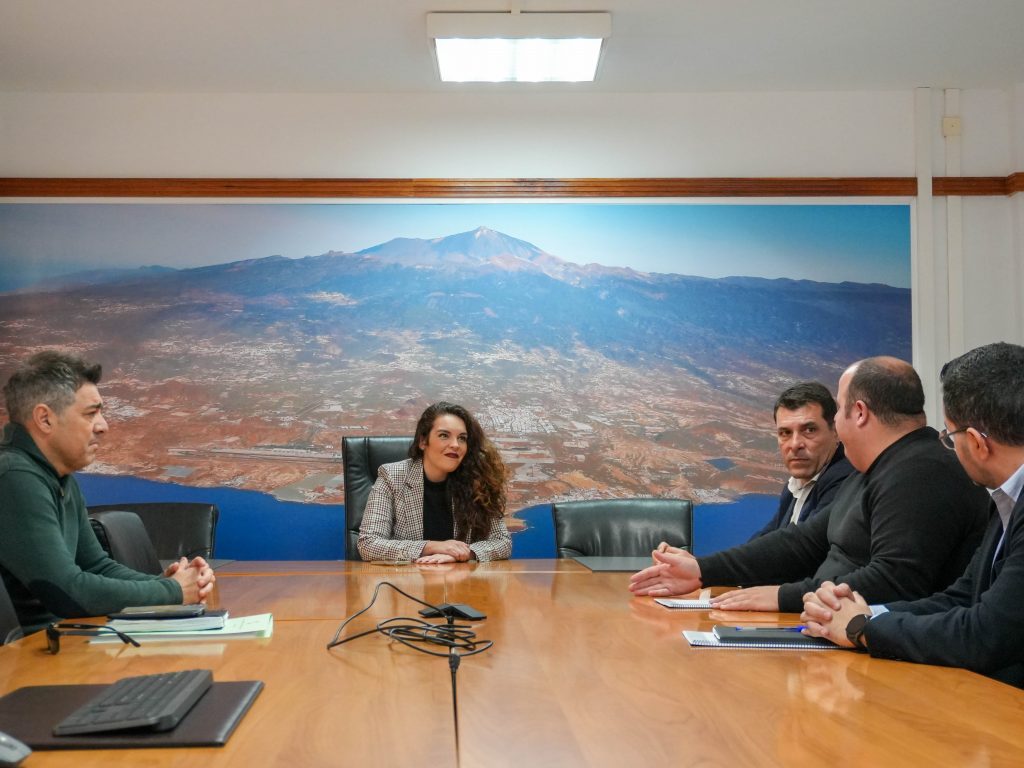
(581, 674)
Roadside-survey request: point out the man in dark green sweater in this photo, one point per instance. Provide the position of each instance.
(50, 560)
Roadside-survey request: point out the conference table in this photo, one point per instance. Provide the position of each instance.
(581, 673)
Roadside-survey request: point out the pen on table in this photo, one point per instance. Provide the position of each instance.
(800, 628)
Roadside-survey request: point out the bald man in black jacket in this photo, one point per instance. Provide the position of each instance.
(900, 528)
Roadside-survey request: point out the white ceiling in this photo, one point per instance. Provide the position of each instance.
(380, 46)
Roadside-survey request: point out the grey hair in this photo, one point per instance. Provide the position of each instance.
(49, 377)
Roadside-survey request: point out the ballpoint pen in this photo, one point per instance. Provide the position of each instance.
(800, 628)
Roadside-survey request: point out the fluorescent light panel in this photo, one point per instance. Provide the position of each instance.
(522, 47)
(530, 60)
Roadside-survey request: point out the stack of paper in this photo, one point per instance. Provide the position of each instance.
(208, 620)
(260, 625)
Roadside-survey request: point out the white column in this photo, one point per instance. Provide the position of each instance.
(951, 132)
(924, 288)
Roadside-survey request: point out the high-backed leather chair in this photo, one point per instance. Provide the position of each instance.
(362, 457)
(176, 529)
(10, 627)
(124, 537)
(621, 527)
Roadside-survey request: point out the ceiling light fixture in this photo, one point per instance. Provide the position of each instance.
(511, 46)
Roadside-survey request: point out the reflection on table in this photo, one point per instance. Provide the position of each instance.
(581, 674)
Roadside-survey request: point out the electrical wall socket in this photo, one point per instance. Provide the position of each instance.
(951, 126)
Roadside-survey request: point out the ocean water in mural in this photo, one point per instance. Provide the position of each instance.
(594, 379)
(256, 526)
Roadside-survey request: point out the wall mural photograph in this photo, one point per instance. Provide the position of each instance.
(609, 349)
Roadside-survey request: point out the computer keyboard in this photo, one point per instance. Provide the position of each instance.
(156, 702)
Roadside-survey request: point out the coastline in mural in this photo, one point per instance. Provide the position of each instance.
(594, 380)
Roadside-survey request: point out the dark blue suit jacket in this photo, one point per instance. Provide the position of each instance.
(837, 470)
(977, 623)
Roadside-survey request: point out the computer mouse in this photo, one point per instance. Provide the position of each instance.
(12, 751)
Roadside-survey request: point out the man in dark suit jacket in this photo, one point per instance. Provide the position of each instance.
(978, 622)
(805, 428)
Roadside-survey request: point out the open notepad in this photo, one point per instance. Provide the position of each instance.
(779, 638)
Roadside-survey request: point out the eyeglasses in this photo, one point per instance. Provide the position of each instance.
(54, 631)
(946, 437)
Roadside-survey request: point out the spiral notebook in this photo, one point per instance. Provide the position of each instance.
(686, 605)
(701, 603)
(775, 638)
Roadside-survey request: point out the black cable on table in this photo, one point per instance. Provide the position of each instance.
(416, 633)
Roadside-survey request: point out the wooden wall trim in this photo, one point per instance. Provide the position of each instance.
(970, 185)
(458, 188)
(507, 188)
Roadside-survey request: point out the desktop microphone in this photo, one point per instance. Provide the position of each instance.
(451, 635)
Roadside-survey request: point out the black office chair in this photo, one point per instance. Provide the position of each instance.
(124, 537)
(176, 529)
(362, 457)
(10, 627)
(621, 527)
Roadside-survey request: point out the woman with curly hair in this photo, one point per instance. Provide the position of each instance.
(446, 502)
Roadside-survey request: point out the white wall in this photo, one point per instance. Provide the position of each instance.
(992, 275)
(456, 135)
(472, 135)
(1016, 254)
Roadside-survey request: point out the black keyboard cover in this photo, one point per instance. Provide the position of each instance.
(155, 702)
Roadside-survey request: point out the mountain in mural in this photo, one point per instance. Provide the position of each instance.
(592, 379)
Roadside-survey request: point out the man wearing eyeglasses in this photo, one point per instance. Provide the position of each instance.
(50, 560)
(902, 526)
(978, 622)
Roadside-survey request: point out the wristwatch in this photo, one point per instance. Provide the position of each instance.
(855, 630)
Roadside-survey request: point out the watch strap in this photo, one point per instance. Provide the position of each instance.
(855, 630)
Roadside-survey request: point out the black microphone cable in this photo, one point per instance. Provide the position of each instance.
(416, 633)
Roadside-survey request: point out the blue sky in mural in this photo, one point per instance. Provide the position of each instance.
(828, 243)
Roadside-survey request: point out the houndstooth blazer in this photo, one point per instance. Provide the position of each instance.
(392, 527)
